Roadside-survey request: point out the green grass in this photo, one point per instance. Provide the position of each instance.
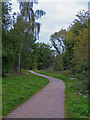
(17, 89)
(75, 102)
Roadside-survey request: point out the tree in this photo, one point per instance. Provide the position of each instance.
(6, 52)
(32, 28)
(16, 36)
(57, 40)
(19, 35)
(80, 23)
(42, 56)
(81, 52)
(65, 41)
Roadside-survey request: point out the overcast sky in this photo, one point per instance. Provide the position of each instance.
(58, 15)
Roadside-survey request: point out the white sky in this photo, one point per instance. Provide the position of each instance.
(58, 15)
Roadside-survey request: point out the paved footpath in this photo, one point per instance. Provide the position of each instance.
(48, 103)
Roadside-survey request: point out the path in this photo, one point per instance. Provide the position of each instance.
(48, 103)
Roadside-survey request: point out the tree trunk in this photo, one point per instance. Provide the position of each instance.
(19, 64)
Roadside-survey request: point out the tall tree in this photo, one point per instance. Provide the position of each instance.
(57, 40)
(66, 42)
(31, 32)
(6, 22)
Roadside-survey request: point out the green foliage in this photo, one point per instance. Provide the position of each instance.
(72, 46)
(57, 64)
(6, 52)
(17, 89)
(19, 34)
(6, 18)
(80, 23)
(81, 52)
(76, 103)
(11, 45)
(42, 56)
(57, 40)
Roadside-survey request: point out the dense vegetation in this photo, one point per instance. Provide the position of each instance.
(19, 33)
(72, 49)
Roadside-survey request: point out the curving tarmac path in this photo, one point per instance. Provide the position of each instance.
(48, 103)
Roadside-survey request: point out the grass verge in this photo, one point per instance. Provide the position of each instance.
(17, 89)
(76, 103)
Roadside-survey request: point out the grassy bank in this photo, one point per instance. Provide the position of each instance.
(76, 102)
(17, 89)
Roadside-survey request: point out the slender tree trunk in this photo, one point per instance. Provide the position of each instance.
(19, 65)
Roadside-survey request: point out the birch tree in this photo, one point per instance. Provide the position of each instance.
(31, 32)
